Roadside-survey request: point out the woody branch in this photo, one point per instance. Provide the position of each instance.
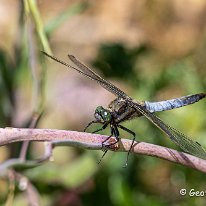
(94, 142)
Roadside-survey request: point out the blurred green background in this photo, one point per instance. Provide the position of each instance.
(153, 50)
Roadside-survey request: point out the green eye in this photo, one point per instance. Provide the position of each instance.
(99, 109)
(106, 115)
(102, 114)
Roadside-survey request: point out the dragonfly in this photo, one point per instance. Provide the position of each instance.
(125, 108)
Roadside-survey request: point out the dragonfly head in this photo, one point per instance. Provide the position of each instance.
(102, 115)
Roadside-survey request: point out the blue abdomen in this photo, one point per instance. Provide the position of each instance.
(173, 103)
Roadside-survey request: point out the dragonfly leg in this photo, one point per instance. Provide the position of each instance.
(134, 136)
(115, 132)
(105, 150)
(102, 128)
(92, 122)
(111, 144)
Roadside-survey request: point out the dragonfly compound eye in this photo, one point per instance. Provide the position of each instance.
(102, 114)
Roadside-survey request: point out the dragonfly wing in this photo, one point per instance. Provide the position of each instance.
(185, 143)
(86, 71)
(92, 75)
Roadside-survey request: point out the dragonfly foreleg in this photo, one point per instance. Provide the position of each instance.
(92, 122)
(102, 128)
(115, 132)
(105, 150)
(134, 136)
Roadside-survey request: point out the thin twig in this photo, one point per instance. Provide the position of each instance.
(34, 120)
(33, 23)
(31, 193)
(94, 141)
(10, 198)
(33, 65)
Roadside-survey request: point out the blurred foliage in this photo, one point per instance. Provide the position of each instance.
(6, 89)
(115, 60)
(64, 16)
(75, 178)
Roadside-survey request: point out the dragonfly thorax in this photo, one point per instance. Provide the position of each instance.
(102, 115)
(121, 111)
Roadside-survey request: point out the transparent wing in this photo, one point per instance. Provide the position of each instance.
(92, 75)
(84, 70)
